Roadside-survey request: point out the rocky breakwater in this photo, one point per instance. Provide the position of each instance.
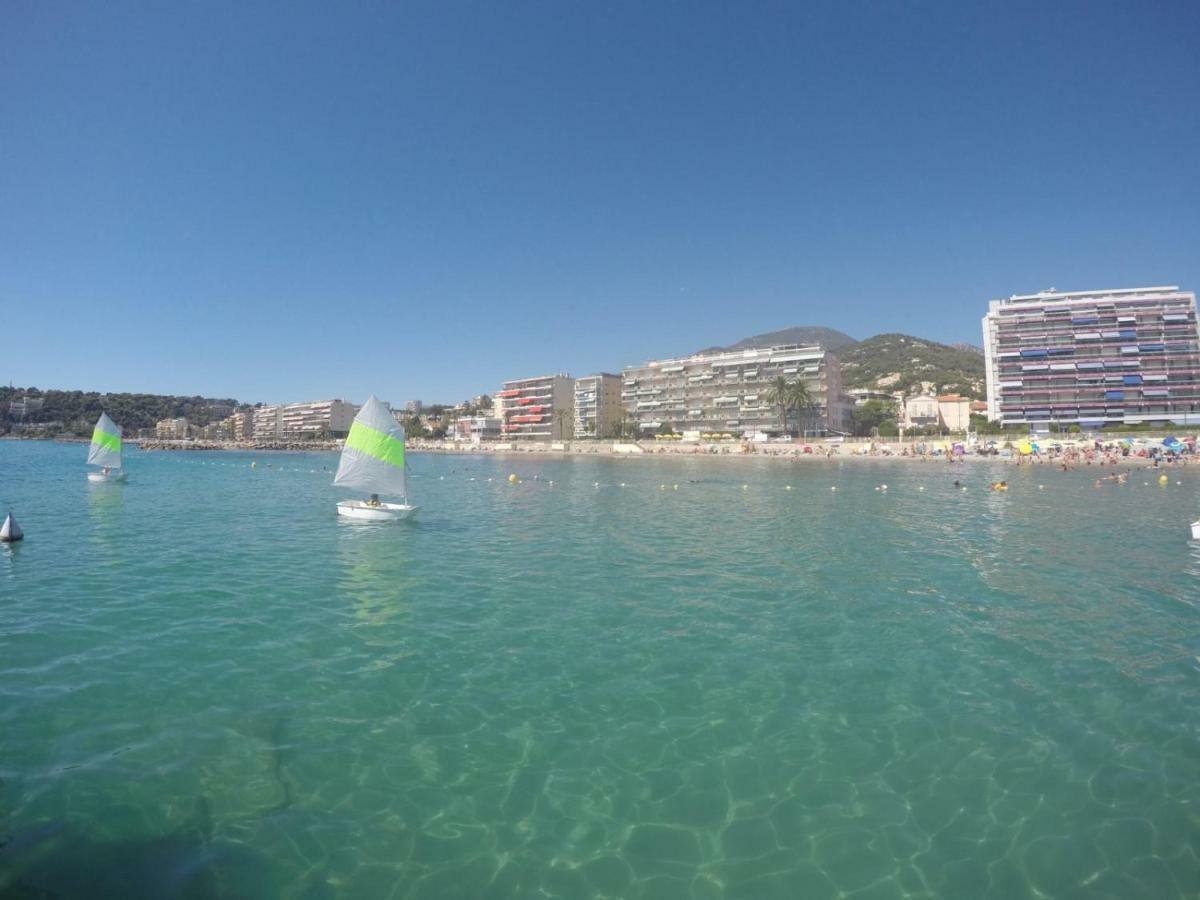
(293, 446)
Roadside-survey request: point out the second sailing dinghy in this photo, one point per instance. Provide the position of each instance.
(373, 462)
(106, 451)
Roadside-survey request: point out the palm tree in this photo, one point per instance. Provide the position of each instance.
(779, 393)
(563, 417)
(801, 398)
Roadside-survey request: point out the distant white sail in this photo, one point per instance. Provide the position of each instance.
(106, 444)
(373, 458)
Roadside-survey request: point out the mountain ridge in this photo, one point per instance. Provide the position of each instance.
(887, 362)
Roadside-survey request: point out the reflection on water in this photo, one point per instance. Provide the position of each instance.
(374, 575)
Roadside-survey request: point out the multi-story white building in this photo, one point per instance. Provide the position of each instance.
(598, 407)
(955, 412)
(536, 409)
(216, 431)
(727, 392)
(268, 425)
(474, 429)
(241, 425)
(317, 419)
(921, 411)
(171, 429)
(1093, 358)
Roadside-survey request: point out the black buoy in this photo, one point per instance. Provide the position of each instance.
(10, 531)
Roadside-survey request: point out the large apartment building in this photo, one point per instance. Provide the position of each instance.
(598, 406)
(241, 424)
(1093, 358)
(536, 409)
(726, 392)
(268, 423)
(317, 419)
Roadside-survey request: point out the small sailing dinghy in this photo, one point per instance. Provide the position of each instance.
(373, 462)
(10, 531)
(105, 451)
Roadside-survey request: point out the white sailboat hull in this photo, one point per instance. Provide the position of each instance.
(384, 512)
(115, 475)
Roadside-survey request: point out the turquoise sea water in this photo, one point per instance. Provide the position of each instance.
(210, 687)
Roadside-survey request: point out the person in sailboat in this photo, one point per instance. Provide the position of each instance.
(374, 501)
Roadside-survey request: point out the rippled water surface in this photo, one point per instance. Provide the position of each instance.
(209, 687)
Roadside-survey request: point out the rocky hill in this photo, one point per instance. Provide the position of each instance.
(901, 362)
(830, 338)
(889, 362)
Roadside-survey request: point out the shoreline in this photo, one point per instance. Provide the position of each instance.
(853, 451)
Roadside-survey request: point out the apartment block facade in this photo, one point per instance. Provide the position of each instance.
(1093, 358)
(172, 429)
(598, 407)
(536, 409)
(241, 425)
(726, 392)
(267, 423)
(316, 419)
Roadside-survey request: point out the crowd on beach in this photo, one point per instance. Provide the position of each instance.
(1068, 454)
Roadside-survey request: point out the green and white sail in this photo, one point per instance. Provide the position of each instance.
(373, 458)
(106, 444)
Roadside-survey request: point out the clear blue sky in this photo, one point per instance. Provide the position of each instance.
(284, 201)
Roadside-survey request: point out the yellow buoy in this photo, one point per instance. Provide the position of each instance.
(1163, 479)
(253, 464)
(674, 487)
(513, 479)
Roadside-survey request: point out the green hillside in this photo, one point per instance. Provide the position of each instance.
(75, 412)
(901, 362)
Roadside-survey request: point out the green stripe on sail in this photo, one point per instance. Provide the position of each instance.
(377, 444)
(106, 440)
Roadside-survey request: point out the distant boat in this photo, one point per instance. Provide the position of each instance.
(373, 462)
(105, 451)
(1196, 531)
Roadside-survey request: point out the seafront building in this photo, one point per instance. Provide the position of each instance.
(949, 412)
(1093, 358)
(955, 412)
(268, 424)
(171, 429)
(241, 425)
(316, 419)
(921, 411)
(598, 407)
(536, 409)
(727, 392)
(474, 429)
